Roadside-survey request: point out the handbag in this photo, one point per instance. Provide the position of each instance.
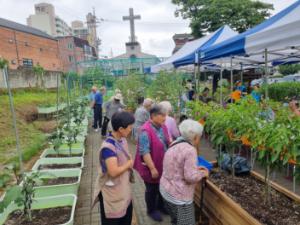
(120, 147)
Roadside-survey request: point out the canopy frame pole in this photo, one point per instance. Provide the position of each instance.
(199, 76)
(266, 74)
(242, 73)
(294, 178)
(231, 76)
(12, 109)
(221, 86)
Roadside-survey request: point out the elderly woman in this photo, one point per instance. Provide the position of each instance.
(142, 115)
(170, 121)
(112, 188)
(180, 174)
(152, 144)
(111, 107)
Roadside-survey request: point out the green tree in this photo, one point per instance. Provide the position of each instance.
(167, 87)
(132, 87)
(209, 15)
(289, 69)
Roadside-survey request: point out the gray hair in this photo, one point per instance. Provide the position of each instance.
(157, 110)
(189, 129)
(167, 105)
(147, 102)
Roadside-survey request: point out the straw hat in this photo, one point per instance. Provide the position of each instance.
(118, 96)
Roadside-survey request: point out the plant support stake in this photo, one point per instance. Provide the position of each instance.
(14, 120)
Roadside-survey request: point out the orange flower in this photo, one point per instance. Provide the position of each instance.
(201, 121)
(245, 141)
(292, 162)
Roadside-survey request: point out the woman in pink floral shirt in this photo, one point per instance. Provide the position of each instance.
(180, 174)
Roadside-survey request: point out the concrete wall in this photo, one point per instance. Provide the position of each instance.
(24, 78)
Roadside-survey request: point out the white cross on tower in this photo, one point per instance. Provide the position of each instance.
(131, 18)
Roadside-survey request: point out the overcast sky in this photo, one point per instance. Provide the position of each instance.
(154, 30)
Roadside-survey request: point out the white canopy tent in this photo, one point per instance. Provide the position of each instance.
(276, 39)
(186, 55)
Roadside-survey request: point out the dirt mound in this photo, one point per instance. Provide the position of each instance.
(45, 126)
(29, 113)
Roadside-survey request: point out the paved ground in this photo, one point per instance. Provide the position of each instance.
(84, 215)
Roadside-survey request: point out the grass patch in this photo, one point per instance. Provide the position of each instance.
(32, 138)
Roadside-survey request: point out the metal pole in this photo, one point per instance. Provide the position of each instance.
(14, 120)
(231, 77)
(221, 88)
(195, 74)
(266, 74)
(294, 179)
(242, 73)
(199, 77)
(57, 100)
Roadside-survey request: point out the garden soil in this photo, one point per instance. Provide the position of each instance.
(249, 193)
(52, 216)
(63, 155)
(59, 166)
(60, 180)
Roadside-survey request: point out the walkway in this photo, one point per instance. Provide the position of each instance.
(83, 214)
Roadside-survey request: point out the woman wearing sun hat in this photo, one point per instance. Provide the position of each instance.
(111, 107)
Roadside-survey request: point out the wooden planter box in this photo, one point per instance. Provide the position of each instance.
(222, 210)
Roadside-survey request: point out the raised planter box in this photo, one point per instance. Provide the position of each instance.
(45, 203)
(49, 161)
(78, 145)
(58, 189)
(65, 152)
(222, 210)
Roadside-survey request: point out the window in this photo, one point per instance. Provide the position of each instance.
(27, 62)
(71, 58)
(41, 49)
(70, 46)
(87, 49)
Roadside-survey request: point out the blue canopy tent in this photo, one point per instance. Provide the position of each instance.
(276, 39)
(279, 36)
(187, 54)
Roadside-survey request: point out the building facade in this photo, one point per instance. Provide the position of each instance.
(180, 40)
(93, 39)
(79, 30)
(24, 46)
(62, 28)
(74, 50)
(45, 19)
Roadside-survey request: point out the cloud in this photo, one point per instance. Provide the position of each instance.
(154, 30)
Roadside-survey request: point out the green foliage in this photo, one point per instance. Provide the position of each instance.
(225, 94)
(199, 110)
(3, 63)
(39, 71)
(4, 179)
(11, 195)
(166, 87)
(56, 142)
(275, 140)
(14, 168)
(282, 92)
(131, 87)
(209, 15)
(289, 69)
